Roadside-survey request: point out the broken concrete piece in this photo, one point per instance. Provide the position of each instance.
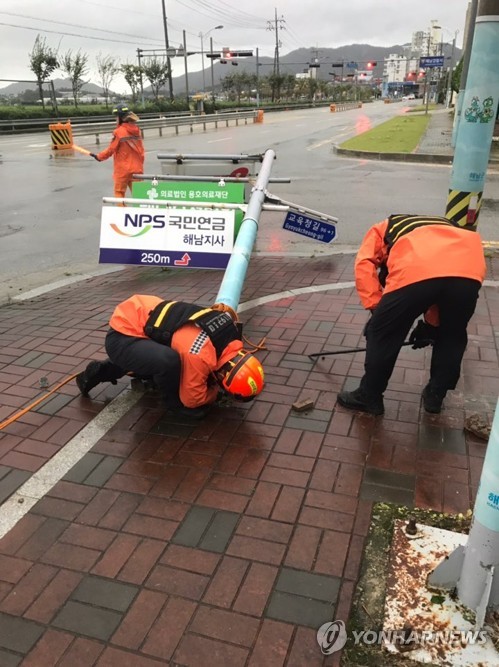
(301, 406)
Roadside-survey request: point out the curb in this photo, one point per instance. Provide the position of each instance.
(431, 158)
(395, 157)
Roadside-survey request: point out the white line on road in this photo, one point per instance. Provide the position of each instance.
(39, 484)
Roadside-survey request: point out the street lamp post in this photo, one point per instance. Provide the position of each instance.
(201, 37)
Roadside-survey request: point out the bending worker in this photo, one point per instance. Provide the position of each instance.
(409, 265)
(127, 148)
(190, 351)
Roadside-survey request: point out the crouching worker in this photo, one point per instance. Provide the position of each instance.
(407, 266)
(191, 352)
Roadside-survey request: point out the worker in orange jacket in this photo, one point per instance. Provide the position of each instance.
(407, 266)
(190, 351)
(127, 148)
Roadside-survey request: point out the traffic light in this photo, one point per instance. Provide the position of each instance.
(227, 55)
(371, 64)
(336, 64)
(313, 65)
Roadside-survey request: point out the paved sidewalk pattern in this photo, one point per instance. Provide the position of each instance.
(225, 542)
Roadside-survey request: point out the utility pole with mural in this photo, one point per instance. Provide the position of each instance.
(476, 127)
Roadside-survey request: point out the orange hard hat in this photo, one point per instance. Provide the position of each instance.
(242, 376)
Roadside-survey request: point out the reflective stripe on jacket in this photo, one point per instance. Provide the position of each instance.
(427, 251)
(128, 150)
(197, 354)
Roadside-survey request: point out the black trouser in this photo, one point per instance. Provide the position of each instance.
(391, 321)
(146, 358)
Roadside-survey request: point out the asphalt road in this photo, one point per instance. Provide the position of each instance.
(49, 227)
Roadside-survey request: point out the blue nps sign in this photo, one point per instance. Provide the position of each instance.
(318, 230)
(431, 61)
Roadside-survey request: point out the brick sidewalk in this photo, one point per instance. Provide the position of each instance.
(226, 542)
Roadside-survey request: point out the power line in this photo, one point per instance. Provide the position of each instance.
(77, 25)
(219, 14)
(71, 34)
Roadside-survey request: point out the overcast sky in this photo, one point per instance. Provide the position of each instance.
(118, 27)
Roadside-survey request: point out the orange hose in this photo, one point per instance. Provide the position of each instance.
(22, 412)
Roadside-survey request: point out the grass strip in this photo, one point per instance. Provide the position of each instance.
(397, 135)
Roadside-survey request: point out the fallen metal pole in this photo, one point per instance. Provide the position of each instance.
(208, 179)
(175, 203)
(234, 157)
(235, 273)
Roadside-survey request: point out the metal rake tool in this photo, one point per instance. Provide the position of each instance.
(351, 350)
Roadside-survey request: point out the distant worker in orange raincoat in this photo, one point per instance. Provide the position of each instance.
(127, 148)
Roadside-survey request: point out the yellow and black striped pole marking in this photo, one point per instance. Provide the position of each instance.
(61, 135)
(463, 207)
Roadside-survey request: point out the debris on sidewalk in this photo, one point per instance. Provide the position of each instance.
(478, 425)
(301, 406)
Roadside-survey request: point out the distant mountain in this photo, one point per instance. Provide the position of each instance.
(59, 84)
(298, 61)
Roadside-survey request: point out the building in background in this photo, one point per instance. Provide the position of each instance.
(401, 72)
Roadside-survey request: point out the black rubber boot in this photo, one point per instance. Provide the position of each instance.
(433, 399)
(95, 373)
(193, 413)
(359, 400)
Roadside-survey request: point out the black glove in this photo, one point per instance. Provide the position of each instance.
(422, 335)
(94, 156)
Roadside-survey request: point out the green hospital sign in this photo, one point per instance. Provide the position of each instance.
(187, 191)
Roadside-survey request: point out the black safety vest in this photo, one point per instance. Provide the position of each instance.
(168, 316)
(401, 224)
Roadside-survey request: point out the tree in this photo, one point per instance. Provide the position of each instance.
(289, 85)
(276, 81)
(108, 68)
(312, 86)
(42, 62)
(236, 84)
(133, 76)
(76, 68)
(156, 72)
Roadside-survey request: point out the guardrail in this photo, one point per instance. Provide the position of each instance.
(344, 106)
(16, 125)
(161, 123)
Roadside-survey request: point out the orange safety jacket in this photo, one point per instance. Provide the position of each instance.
(415, 248)
(128, 151)
(198, 358)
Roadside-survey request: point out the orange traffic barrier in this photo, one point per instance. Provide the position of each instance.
(259, 116)
(332, 108)
(61, 135)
